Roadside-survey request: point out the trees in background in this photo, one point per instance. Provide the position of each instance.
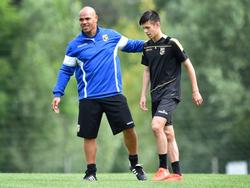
(214, 33)
(32, 137)
(9, 24)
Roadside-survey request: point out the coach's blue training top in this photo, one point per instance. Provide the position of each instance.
(95, 62)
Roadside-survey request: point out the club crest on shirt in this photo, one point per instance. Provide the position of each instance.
(162, 51)
(105, 37)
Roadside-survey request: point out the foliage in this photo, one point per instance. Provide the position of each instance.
(8, 26)
(120, 8)
(31, 121)
(216, 41)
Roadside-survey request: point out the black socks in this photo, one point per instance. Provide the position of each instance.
(176, 167)
(163, 161)
(91, 169)
(133, 160)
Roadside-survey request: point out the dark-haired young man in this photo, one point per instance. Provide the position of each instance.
(163, 57)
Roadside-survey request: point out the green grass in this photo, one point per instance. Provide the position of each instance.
(123, 180)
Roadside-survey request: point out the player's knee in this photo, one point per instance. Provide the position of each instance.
(170, 135)
(156, 128)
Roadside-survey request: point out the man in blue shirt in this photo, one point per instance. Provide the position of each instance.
(92, 57)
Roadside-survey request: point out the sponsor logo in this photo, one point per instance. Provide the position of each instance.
(129, 123)
(162, 112)
(105, 37)
(148, 49)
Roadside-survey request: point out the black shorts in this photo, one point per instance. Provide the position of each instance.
(165, 108)
(90, 115)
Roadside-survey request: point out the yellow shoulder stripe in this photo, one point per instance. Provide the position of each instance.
(178, 43)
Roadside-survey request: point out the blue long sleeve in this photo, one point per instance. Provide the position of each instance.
(133, 46)
(63, 77)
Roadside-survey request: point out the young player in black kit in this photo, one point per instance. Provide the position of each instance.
(163, 57)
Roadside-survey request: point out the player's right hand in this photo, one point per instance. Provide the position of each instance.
(143, 105)
(55, 104)
(197, 98)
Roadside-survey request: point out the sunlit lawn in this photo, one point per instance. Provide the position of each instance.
(116, 180)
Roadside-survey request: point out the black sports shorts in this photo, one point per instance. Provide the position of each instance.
(165, 108)
(90, 115)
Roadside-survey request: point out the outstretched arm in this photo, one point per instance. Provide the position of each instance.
(129, 45)
(145, 85)
(196, 96)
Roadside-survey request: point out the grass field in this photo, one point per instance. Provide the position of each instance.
(123, 180)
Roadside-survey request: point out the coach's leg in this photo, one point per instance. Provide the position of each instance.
(173, 151)
(89, 148)
(130, 139)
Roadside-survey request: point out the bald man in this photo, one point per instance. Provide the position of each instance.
(92, 58)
